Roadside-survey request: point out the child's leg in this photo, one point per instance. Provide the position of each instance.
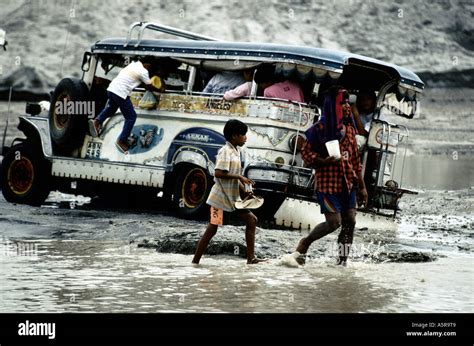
(109, 110)
(216, 218)
(204, 242)
(128, 112)
(250, 223)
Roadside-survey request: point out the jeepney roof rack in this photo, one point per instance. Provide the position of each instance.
(142, 26)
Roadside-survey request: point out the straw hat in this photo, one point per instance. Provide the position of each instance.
(250, 202)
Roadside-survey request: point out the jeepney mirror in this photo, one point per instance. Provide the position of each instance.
(86, 61)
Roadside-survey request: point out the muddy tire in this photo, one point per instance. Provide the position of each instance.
(25, 176)
(192, 188)
(68, 130)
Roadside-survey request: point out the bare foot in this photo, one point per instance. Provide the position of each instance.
(256, 260)
(342, 262)
(300, 258)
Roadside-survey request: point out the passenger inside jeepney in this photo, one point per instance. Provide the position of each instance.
(363, 111)
(285, 89)
(263, 77)
(160, 70)
(269, 86)
(227, 80)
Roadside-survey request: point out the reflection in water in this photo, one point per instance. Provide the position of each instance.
(437, 172)
(93, 276)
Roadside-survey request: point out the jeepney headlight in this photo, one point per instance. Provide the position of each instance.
(297, 140)
(279, 161)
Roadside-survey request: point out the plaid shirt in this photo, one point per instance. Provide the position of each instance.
(330, 178)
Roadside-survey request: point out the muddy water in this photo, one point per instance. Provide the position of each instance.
(57, 259)
(54, 259)
(437, 172)
(98, 276)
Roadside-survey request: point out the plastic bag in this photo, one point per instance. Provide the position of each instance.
(148, 101)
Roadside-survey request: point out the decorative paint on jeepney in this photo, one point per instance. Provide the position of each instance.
(144, 138)
(274, 135)
(200, 104)
(170, 129)
(199, 140)
(378, 138)
(281, 111)
(148, 148)
(201, 135)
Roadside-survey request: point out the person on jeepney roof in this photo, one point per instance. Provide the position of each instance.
(118, 94)
(338, 181)
(227, 80)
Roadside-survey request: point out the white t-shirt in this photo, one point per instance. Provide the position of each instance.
(366, 120)
(223, 82)
(128, 79)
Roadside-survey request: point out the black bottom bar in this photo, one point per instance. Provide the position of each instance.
(243, 329)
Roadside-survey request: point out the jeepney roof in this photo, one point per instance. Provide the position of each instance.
(353, 68)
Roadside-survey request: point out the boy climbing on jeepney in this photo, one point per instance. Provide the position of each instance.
(339, 181)
(226, 191)
(118, 94)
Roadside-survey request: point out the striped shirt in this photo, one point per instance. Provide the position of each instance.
(226, 192)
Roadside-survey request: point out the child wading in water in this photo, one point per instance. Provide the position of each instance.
(226, 191)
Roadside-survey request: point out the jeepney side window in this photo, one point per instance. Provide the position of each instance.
(107, 70)
(178, 79)
(104, 73)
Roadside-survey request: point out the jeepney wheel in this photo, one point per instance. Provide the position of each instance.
(68, 125)
(192, 189)
(25, 176)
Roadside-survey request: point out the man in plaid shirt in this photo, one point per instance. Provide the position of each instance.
(337, 183)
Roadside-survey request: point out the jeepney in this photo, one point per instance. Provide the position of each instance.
(175, 143)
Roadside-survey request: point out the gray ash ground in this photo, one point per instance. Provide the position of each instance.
(430, 224)
(424, 229)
